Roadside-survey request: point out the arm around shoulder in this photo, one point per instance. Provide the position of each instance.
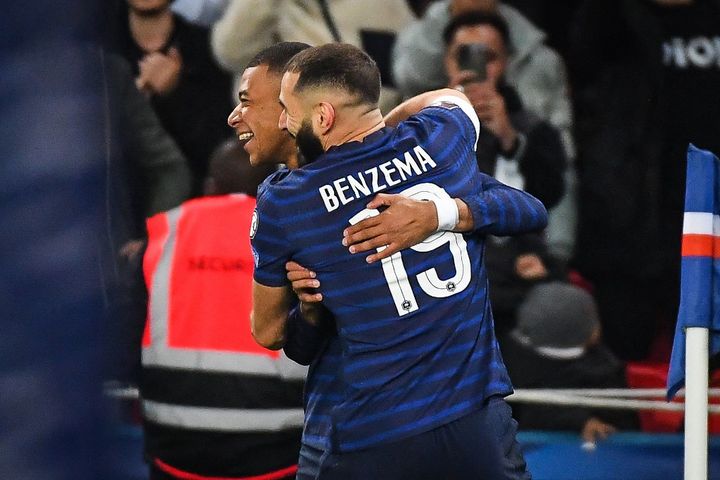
(498, 209)
(414, 104)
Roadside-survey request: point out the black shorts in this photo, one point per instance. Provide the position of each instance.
(479, 446)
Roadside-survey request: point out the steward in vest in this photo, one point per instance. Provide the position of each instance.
(215, 403)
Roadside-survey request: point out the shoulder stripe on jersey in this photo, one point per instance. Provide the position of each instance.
(449, 412)
(430, 381)
(410, 406)
(465, 107)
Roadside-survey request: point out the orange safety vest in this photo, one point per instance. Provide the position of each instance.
(198, 267)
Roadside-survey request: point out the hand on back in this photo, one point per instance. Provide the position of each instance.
(404, 223)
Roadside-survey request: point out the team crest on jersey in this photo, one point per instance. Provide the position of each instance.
(254, 224)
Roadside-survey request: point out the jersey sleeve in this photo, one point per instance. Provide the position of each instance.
(450, 102)
(452, 115)
(270, 245)
(303, 341)
(498, 209)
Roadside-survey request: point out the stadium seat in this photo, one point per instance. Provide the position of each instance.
(654, 375)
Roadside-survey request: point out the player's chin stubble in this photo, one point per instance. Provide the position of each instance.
(309, 145)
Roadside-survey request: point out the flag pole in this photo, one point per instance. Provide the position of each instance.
(696, 403)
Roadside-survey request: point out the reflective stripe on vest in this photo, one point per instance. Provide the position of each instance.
(198, 268)
(223, 419)
(181, 246)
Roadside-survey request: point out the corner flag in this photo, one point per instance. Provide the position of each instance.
(700, 277)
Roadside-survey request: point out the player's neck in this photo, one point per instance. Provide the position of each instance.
(356, 130)
(151, 33)
(292, 161)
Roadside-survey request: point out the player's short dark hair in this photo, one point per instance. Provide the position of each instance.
(472, 19)
(338, 65)
(277, 56)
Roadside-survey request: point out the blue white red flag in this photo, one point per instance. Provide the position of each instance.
(700, 277)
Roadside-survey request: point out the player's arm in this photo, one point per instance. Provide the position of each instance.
(304, 340)
(501, 210)
(307, 325)
(413, 105)
(300, 331)
(406, 222)
(496, 209)
(307, 331)
(268, 320)
(272, 296)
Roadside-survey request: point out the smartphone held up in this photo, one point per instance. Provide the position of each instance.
(473, 57)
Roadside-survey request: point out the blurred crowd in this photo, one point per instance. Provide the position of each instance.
(589, 105)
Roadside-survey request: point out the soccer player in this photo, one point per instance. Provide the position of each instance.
(255, 118)
(416, 383)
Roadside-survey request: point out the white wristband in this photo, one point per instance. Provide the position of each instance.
(447, 213)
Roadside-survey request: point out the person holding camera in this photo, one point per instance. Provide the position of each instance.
(515, 145)
(536, 71)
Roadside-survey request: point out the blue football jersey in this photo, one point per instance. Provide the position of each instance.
(415, 346)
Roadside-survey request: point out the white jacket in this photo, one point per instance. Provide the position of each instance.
(536, 72)
(248, 26)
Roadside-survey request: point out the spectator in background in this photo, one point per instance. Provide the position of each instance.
(515, 145)
(556, 344)
(515, 265)
(646, 75)
(215, 404)
(250, 25)
(150, 172)
(173, 66)
(147, 173)
(534, 70)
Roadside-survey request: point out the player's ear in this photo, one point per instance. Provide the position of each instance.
(324, 117)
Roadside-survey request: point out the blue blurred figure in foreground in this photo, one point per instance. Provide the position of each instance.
(52, 177)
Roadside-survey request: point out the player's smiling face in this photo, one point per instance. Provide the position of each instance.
(255, 119)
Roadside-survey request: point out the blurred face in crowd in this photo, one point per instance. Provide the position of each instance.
(255, 119)
(486, 35)
(148, 7)
(296, 118)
